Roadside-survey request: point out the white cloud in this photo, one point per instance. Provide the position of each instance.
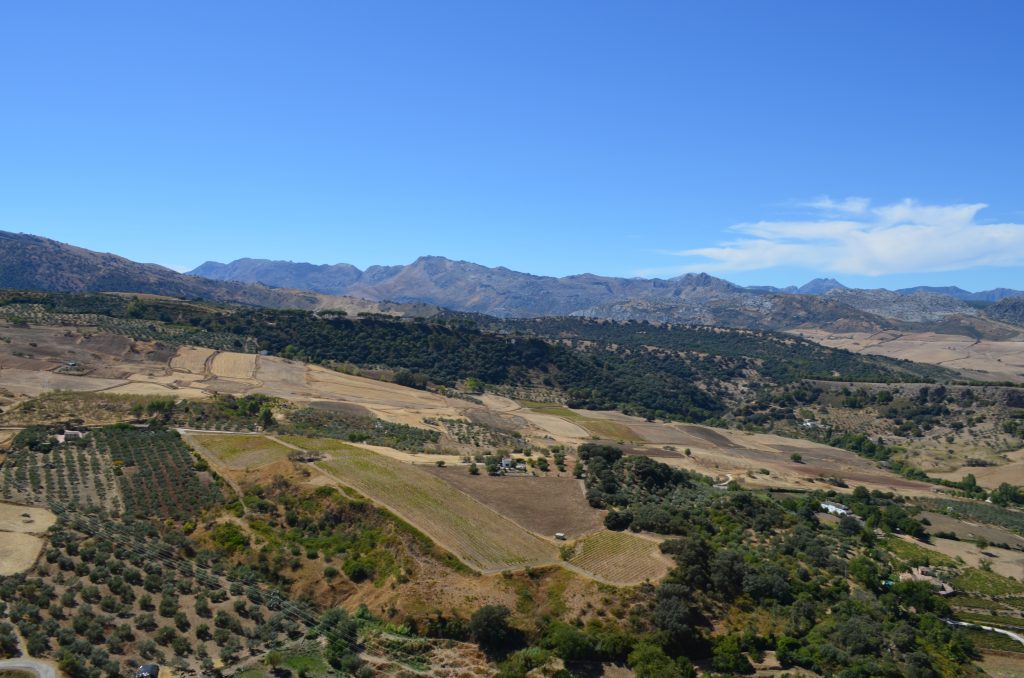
(905, 237)
(851, 205)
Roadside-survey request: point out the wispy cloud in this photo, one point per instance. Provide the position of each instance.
(852, 237)
(851, 205)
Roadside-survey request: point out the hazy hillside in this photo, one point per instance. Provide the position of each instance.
(1010, 310)
(692, 298)
(963, 295)
(465, 286)
(29, 262)
(35, 263)
(916, 307)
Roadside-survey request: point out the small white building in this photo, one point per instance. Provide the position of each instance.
(836, 508)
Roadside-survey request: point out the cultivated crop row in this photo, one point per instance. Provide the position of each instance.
(158, 472)
(143, 330)
(68, 473)
(619, 557)
(476, 534)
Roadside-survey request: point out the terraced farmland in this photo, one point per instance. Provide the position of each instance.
(620, 558)
(476, 534)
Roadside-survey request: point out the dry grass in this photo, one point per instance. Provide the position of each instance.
(13, 519)
(477, 535)
(1002, 359)
(234, 365)
(993, 476)
(241, 451)
(18, 548)
(544, 505)
(18, 552)
(1003, 664)
(191, 359)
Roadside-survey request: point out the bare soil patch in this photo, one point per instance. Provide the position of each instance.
(234, 365)
(28, 519)
(18, 552)
(992, 476)
(18, 547)
(1003, 561)
(968, 530)
(34, 382)
(192, 359)
(545, 505)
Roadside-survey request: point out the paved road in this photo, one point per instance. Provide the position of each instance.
(22, 664)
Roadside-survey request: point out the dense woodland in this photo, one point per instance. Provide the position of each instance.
(823, 588)
(653, 371)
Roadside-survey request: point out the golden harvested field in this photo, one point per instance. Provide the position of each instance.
(18, 548)
(281, 373)
(993, 476)
(620, 558)
(1001, 359)
(12, 518)
(595, 426)
(241, 451)
(191, 359)
(477, 535)
(18, 552)
(553, 419)
(234, 365)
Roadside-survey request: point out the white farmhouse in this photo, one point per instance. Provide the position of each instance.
(835, 508)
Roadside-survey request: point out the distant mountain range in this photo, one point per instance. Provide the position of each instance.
(465, 286)
(30, 262)
(431, 283)
(826, 285)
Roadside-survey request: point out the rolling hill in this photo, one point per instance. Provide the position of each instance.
(29, 262)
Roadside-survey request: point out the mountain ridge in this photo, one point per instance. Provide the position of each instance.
(432, 283)
(32, 262)
(690, 298)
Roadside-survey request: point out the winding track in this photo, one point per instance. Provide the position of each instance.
(1016, 636)
(40, 669)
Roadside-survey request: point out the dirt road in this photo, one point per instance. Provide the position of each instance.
(39, 668)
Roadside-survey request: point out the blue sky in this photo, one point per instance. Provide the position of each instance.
(551, 137)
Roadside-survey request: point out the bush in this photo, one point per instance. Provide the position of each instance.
(618, 520)
(489, 627)
(568, 642)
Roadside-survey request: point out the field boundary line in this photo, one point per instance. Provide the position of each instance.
(418, 525)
